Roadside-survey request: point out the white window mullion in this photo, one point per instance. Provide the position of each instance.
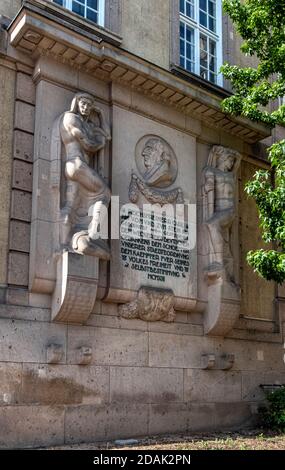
(197, 51)
(101, 14)
(219, 49)
(196, 39)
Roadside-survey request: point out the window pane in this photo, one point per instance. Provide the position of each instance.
(203, 19)
(203, 42)
(212, 77)
(211, 8)
(189, 66)
(213, 66)
(189, 35)
(212, 47)
(189, 10)
(92, 4)
(59, 2)
(182, 47)
(212, 24)
(182, 5)
(182, 30)
(92, 15)
(189, 51)
(203, 5)
(78, 8)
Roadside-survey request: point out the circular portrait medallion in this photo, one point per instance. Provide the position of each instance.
(156, 161)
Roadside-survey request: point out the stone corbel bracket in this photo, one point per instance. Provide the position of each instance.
(76, 288)
(54, 353)
(223, 362)
(221, 314)
(151, 305)
(84, 355)
(208, 361)
(227, 361)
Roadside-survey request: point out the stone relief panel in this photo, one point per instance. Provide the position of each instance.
(83, 196)
(159, 162)
(83, 132)
(219, 209)
(219, 199)
(70, 200)
(150, 305)
(157, 166)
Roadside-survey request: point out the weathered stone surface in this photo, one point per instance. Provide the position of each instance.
(22, 176)
(23, 146)
(10, 383)
(40, 300)
(64, 385)
(169, 350)
(252, 355)
(10, 7)
(158, 111)
(26, 341)
(212, 386)
(17, 296)
(201, 417)
(234, 415)
(146, 385)
(21, 205)
(31, 426)
(177, 328)
(251, 390)
(116, 421)
(21, 312)
(43, 207)
(42, 273)
(24, 116)
(25, 89)
(110, 346)
(19, 236)
(109, 321)
(168, 417)
(141, 37)
(18, 270)
(7, 87)
(257, 294)
(109, 309)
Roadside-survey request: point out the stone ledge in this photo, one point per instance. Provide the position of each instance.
(36, 33)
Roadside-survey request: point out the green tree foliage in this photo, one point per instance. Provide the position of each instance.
(273, 416)
(261, 24)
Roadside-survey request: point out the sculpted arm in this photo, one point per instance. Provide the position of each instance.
(209, 194)
(75, 129)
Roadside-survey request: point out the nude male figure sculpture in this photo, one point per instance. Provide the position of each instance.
(219, 209)
(84, 133)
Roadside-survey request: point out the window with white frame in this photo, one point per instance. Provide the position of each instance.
(92, 10)
(200, 38)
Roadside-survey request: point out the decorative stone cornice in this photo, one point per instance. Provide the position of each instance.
(42, 28)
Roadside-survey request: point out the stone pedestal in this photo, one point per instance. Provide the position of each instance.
(76, 288)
